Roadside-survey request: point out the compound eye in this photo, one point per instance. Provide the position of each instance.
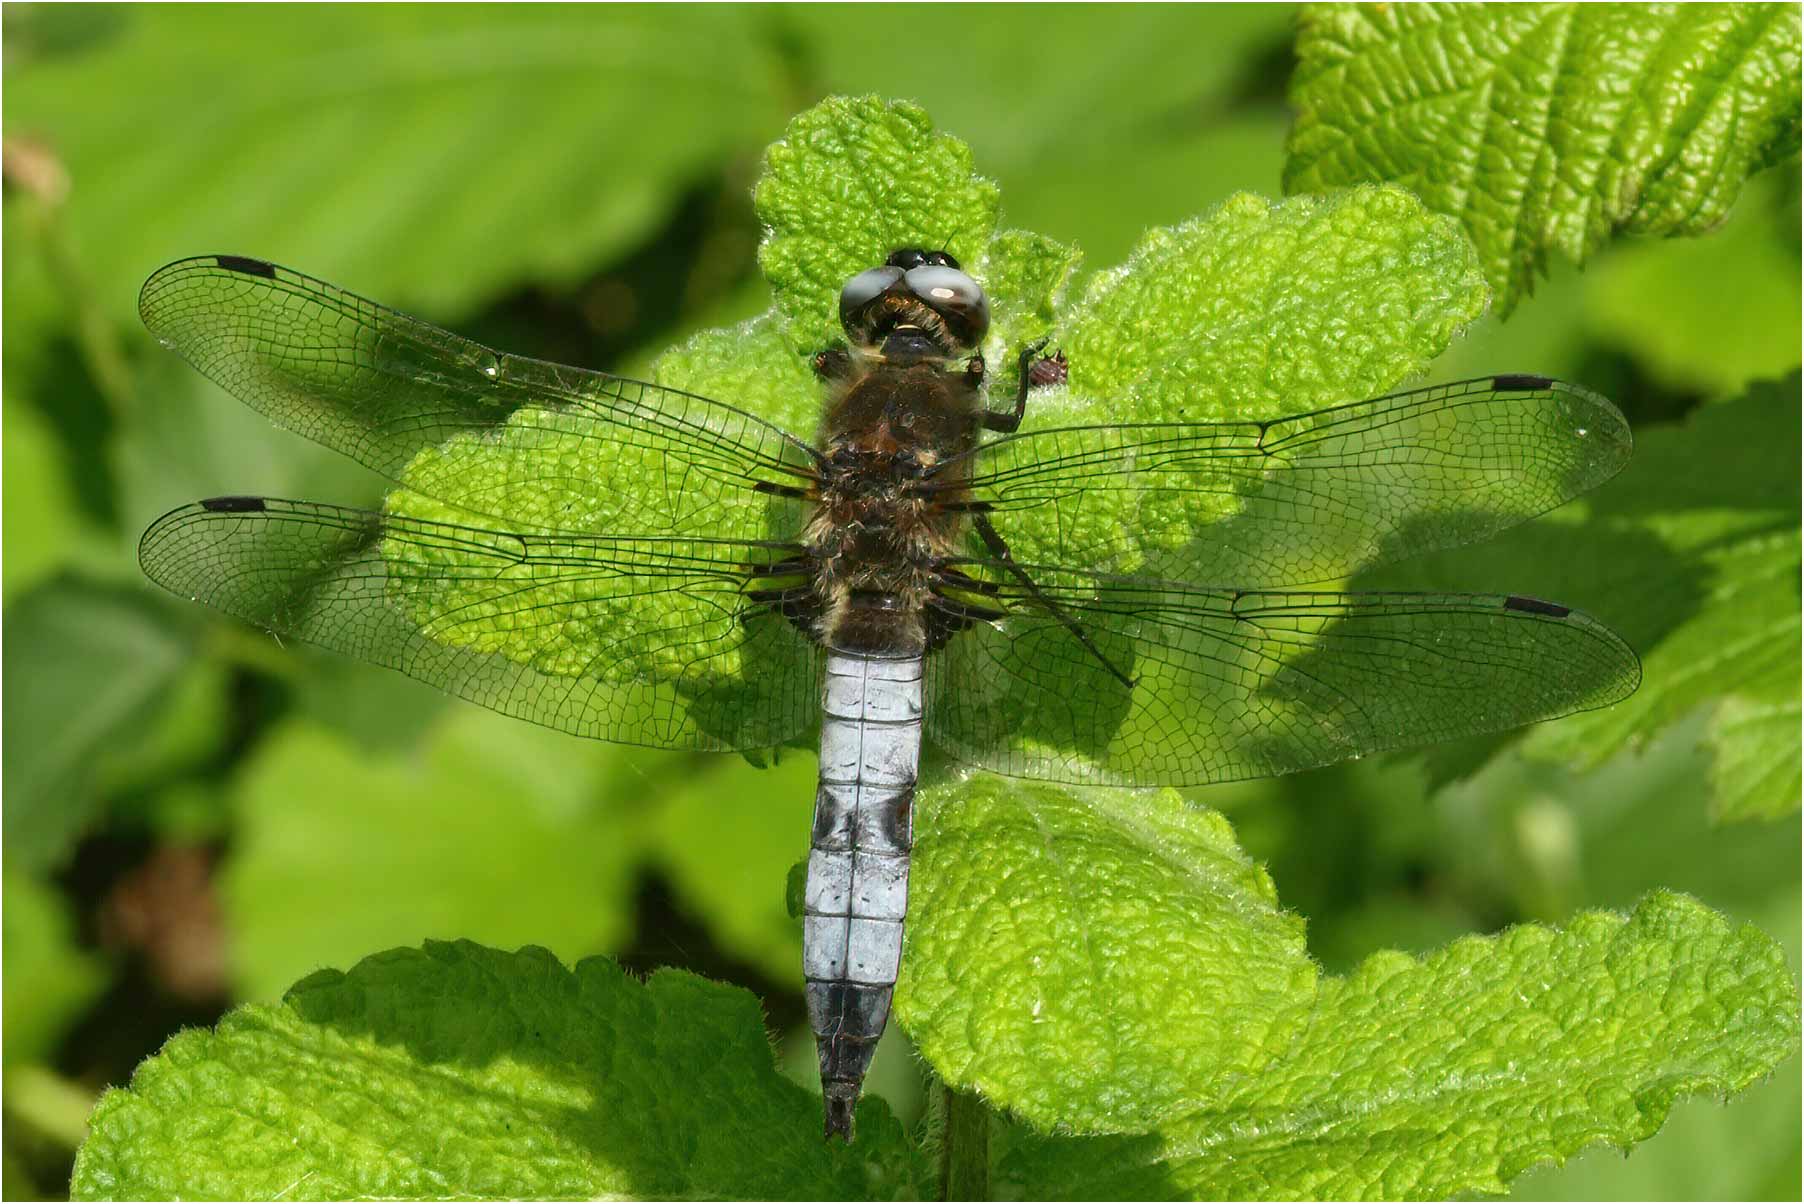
(914, 257)
(955, 297)
(863, 289)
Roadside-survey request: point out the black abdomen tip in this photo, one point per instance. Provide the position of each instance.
(1520, 382)
(1535, 606)
(250, 267)
(840, 1099)
(232, 505)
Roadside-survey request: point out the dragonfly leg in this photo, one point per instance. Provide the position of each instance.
(801, 493)
(784, 587)
(992, 539)
(1050, 370)
(958, 579)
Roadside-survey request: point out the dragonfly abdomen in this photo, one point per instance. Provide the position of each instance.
(857, 885)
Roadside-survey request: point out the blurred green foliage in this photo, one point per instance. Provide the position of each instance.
(574, 183)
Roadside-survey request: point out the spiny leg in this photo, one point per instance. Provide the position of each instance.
(992, 539)
(782, 587)
(1049, 371)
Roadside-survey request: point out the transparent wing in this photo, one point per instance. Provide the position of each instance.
(381, 387)
(1298, 500)
(642, 641)
(1231, 684)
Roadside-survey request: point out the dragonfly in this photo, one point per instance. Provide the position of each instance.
(631, 562)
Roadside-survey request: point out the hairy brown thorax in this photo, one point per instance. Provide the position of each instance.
(876, 540)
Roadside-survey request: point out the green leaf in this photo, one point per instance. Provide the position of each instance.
(494, 829)
(1697, 546)
(752, 366)
(49, 979)
(434, 159)
(1711, 314)
(461, 1071)
(1420, 1079)
(851, 180)
(1024, 275)
(1756, 774)
(1547, 125)
(89, 670)
(1131, 957)
(1351, 848)
(1706, 1151)
(1244, 313)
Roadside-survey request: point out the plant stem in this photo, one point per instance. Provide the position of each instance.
(964, 1146)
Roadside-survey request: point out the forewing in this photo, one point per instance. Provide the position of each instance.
(381, 387)
(642, 641)
(1231, 684)
(1299, 500)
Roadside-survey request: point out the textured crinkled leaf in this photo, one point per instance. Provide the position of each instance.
(1455, 1073)
(49, 980)
(493, 829)
(1024, 274)
(853, 179)
(1704, 1151)
(1547, 125)
(1756, 773)
(1264, 308)
(1746, 1150)
(461, 1071)
(751, 366)
(1128, 958)
(1710, 314)
(1258, 310)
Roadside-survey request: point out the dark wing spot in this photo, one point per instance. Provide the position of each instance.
(1519, 382)
(232, 505)
(250, 267)
(1535, 606)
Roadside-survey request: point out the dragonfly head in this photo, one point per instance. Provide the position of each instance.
(918, 305)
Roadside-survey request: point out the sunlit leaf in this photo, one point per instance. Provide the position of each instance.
(457, 1070)
(1423, 1079)
(1547, 126)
